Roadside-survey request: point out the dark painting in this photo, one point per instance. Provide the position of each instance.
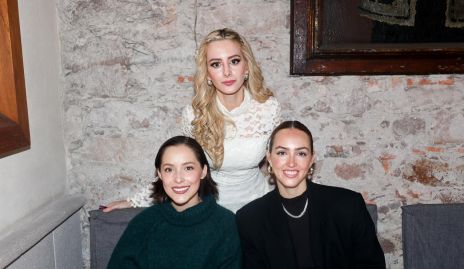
(377, 37)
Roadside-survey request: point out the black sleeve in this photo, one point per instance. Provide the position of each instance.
(252, 255)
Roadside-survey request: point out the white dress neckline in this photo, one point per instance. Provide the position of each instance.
(243, 107)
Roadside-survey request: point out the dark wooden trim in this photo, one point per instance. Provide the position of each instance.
(14, 123)
(308, 57)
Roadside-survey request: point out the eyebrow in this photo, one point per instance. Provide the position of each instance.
(300, 148)
(170, 164)
(230, 57)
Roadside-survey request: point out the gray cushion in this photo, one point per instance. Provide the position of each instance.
(107, 228)
(433, 236)
(105, 231)
(373, 212)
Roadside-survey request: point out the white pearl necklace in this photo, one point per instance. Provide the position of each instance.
(297, 216)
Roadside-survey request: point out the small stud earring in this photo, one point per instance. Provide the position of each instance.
(209, 82)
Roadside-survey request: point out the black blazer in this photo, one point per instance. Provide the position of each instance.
(341, 231)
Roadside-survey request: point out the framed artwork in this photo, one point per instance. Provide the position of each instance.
(14, 124)
(374, 37)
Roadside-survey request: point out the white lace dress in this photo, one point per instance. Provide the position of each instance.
(239, 179)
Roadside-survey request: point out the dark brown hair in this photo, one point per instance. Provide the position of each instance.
(207, 184)
(291, 124)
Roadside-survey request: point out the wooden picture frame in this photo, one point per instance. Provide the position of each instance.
(314, 52)
(14, 124)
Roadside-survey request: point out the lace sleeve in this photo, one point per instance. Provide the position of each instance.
(142, 198)
(276, 115)
(187, 117)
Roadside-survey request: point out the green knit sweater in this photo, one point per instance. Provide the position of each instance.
(203, 236)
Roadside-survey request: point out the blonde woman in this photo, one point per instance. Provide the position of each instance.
(232, 115)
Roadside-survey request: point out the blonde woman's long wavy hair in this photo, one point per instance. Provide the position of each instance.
(209, 122)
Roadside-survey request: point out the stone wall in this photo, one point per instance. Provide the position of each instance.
(127, 73)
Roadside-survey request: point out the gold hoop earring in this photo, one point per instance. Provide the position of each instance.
(269, 168)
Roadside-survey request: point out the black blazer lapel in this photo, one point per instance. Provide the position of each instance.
(316, 225)
(279, 245)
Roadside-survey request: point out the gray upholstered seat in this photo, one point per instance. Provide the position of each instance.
(373, 212)
(105, 231)
(107, 228)
(433, 236)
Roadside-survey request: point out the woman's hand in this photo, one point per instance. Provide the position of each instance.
(117, 205)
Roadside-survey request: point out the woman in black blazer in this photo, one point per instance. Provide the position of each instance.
(302, 224)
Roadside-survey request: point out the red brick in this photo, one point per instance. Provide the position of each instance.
(419, 152)
(387, 245)
(425, 81)
(385, 161)
(395, 81)
(398, 195)
(410, 82)
(349, 171)
(448, 82)
(423, 171)
(434, 149)
(414, 195)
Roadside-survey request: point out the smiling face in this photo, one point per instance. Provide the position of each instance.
(290, 158)
(181, 173)
(227, 68)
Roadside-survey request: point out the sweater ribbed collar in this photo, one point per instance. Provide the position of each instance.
(190, 216)
(238, 110)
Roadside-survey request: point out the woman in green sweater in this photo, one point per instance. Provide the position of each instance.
(185, 228)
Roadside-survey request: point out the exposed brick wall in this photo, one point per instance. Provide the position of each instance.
(127, 70)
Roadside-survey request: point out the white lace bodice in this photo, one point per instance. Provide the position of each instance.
(239, 179)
